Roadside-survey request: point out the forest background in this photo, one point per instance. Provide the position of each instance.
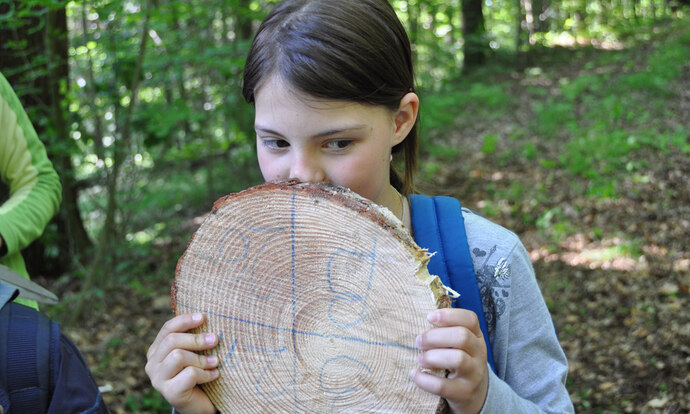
(566, 121)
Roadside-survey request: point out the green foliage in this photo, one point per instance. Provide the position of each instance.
(490, 144)
(604, 118)
(465, 100)
(191, 133)
(553, 118)
(554, 224)
(149, 401)
(529, 150)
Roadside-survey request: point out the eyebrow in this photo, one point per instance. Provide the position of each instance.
(319, 135)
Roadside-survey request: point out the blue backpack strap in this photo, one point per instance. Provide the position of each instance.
(27, 342)
(439, 227)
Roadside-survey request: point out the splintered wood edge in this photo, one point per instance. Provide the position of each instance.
(348, 198)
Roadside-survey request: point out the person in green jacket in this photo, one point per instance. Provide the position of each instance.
(34, 186)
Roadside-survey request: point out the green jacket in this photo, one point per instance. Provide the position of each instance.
(35, 190)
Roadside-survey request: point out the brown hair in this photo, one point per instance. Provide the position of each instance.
(353, 50)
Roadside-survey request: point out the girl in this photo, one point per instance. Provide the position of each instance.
(333, 88)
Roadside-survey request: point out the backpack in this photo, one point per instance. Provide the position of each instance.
(41, 370)
(439, 227)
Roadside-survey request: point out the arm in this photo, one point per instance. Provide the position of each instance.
(531, 364)
(176, 370)
(35, 190)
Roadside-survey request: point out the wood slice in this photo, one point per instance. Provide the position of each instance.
(317, 295)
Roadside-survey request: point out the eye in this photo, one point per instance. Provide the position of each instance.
(275, 144)
(338, 144)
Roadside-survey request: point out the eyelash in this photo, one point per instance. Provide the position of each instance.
(337, 147)
(334, 145)
(276, 144)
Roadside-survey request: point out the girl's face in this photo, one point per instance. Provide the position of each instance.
(341, 142)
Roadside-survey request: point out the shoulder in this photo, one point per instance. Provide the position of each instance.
(498, 255)
(482, 231)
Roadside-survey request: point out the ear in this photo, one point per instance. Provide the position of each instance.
(405, 116)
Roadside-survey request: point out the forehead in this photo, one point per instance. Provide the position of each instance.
(279, 103)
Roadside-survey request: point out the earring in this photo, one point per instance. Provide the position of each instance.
(391, 158)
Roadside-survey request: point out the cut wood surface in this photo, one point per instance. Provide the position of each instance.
(317, 295)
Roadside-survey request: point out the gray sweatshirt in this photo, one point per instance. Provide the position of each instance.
(531, 365)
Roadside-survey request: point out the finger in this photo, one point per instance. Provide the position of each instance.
(443, 387)
(463, 395)
(190, 377)
(456, 361)
(180, 359)
(184, 341)
(458, 337)
(180, 323)
(455, 317)
(182, 390)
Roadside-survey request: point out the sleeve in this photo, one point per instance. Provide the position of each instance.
(35, 190)
(531, 363)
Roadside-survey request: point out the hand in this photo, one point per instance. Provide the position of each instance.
(455, 344)
(175, 370)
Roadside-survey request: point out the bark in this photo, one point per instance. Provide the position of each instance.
(413, 11)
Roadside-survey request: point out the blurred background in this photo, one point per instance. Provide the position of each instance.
(565, 121)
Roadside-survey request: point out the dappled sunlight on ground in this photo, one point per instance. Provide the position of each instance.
(604, 254)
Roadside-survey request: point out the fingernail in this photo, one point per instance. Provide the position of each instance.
(413, 373)
(418, 341)
(209, 338)
(212, 360)
(432, 317)
(420, 359)
(197, 317)
(215, 373)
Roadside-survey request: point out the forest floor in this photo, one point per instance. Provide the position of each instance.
(615, 272)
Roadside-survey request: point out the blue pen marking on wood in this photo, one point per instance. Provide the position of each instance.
(294, 305)
(245, 242)
(229, 355)
(257, 384)
(294, 332)
(348, 296)
(335, 359)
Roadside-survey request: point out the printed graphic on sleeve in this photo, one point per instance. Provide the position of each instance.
(493, 278)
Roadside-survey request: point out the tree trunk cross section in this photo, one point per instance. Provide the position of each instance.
(317, 295)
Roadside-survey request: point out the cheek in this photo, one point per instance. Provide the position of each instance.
(367, 175)
(267, 166)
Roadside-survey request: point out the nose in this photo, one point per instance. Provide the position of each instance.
(307, 168)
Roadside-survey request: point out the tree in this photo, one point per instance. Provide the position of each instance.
(474, 33)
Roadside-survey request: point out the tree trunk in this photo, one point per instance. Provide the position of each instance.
(413, 18)
(521, 41)
(541, 21)
(474, 34)
(99, 264)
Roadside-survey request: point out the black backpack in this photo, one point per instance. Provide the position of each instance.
(41, 370)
